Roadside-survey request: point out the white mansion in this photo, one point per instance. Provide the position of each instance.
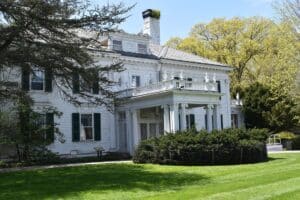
(165, 90)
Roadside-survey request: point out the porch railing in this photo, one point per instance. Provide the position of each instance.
(169, 85)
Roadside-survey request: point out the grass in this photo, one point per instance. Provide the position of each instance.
(278, 178)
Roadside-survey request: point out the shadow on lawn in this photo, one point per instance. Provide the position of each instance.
(62, 182)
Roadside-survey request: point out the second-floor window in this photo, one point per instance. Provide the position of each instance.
(117, 45)
(142, 48)
(135, 81)
(37, 80)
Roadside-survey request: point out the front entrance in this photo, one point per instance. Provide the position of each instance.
(149, 130)
(151, 122)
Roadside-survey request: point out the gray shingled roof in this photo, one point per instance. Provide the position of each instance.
(166, 52)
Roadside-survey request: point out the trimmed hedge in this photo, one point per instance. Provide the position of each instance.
(229, 146)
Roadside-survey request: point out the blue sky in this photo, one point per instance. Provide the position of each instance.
(178, 16)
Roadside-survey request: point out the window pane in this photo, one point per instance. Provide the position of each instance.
(86, 119)
(142, 48)
(85, 86)
(37, 80)
(152, 130)
(143, 131)
(88, 133)
(117, 45)
(37, 86)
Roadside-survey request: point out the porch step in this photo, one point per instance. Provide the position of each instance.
(274, 147)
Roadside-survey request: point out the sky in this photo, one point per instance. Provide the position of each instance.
(178, 16)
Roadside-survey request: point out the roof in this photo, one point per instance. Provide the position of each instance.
(137, 55)
(165, 52)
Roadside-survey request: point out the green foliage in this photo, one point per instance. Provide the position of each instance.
(296, 143)
(20, 128)
(264, 108)
(155, 13)
(258, 49)
(286, 135)
(56, 36)
(219, 147)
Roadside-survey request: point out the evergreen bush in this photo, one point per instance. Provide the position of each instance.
(229, 146)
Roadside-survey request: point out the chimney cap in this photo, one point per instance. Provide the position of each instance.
(151, 13)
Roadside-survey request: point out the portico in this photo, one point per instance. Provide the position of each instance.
(168, 111)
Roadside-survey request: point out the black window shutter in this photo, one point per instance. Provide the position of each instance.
(25, 78)
(97, 126)
(96, 86)
(192, 120)
(76, 84)
(222, 125)
(219, 86)
(75, 127)
(48, 80)
(50, 127)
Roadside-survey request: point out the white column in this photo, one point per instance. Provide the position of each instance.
(174, 118)
(129, 132)
(166, 118)
(183, 117)
(208, 114)
(135, 130)
(217, 117)
(117, 132)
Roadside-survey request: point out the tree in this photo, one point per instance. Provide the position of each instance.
(26, 131)
(257, 48)
(265, 109)
(60, 38)
(289, 10)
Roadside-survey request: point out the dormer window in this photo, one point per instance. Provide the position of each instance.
(142, 48)
(117, 45)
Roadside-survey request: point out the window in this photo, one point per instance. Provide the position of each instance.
(37, 80)
(136, 81)
(85, 86)
(190, 121)
(152, 130)
(117, 45)
(86, 127)
(142, 48)
(188, 83)
(234, 121)
(40, 121)
(143, 131)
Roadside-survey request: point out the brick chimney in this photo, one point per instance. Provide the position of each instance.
(152, 25)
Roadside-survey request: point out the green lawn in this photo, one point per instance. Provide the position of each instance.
(277, 179)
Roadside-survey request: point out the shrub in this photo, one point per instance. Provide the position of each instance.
(296, 143)
(218, 147)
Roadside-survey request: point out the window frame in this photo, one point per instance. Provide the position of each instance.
(81, 127)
